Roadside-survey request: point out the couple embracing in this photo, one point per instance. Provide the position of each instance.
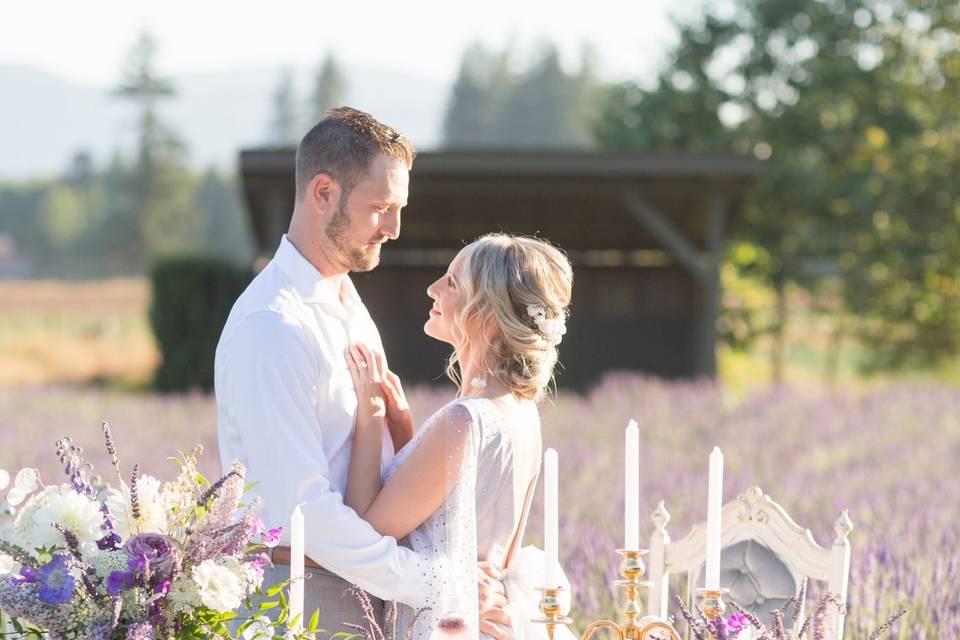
(431, 516)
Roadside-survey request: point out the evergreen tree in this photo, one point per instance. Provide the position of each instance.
(476, 101)
(157, 186)
(283, 123)
(328, 91)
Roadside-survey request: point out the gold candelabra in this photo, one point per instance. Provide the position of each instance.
(635, 627)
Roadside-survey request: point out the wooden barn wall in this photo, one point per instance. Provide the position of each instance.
(621, 318)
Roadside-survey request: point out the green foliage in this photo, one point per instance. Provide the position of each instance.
(493, 106)
(192, 297)
(852, 104)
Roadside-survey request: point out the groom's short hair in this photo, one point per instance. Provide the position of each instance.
(343, 144)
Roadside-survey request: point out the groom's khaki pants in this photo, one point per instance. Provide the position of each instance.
(328, 593)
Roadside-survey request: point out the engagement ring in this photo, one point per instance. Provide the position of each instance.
(362, 365)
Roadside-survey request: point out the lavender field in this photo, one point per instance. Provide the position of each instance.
(887, 454)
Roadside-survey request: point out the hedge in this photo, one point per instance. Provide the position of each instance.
(192, 297)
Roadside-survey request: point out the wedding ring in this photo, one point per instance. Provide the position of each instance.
(362, 365)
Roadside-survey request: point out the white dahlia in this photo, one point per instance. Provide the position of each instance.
(153, 508)
(76, 513)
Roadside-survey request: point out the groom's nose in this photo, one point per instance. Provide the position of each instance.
(391, 225)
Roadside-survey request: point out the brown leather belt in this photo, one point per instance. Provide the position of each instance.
(281, 555)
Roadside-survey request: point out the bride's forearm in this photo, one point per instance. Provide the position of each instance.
(363, 478)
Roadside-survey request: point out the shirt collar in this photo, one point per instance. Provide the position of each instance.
(310, 284)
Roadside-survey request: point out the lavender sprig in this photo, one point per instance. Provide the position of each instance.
(694, 624)
(134, 500)
(754, 620)
(798, 601)
(21, 555)
(215, 487)
(886, 625)
(112, 451)
(779, 633)
(71, 456)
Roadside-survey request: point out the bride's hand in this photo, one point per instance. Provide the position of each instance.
(399, 416)
(366, 369)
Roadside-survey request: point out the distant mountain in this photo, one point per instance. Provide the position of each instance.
(44, 118)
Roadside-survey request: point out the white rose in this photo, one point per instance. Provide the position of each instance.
(220, 588)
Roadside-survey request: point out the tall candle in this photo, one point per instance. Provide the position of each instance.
(631, 488)
(296, 566)
(714, 498)
(550, 519)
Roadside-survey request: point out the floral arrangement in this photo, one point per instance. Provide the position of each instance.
(138, 561)
(742, 624)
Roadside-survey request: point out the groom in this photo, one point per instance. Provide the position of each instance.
(285, 400)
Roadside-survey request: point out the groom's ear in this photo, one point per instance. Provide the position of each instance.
(323, 194)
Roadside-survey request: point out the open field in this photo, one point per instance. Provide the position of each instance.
(76, 332)
(83, 332)
(886, 453)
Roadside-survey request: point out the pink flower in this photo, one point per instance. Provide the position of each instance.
(271, 538)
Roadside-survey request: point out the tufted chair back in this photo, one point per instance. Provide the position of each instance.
(765, 557)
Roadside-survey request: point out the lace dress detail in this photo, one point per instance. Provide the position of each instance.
(476, 521)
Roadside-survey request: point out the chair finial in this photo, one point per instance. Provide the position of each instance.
(843, 526)
(660, 517)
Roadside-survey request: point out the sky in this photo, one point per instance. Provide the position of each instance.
(84, 41)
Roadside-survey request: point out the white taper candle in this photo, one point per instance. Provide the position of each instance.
(631, 488)
(296, 566)
(550, 519)
(714, 499)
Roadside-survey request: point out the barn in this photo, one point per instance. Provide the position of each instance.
(645, 234)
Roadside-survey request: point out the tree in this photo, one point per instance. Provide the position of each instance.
(543, 108)
(492, 106)
(329, 89)
(835, 97)
(483, 83)
(157, 186)
(283, 123)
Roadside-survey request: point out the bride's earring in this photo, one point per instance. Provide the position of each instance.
(478, 383)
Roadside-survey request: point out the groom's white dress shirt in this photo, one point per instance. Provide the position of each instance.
(286, 409)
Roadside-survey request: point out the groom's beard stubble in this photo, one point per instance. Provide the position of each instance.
(363, 258)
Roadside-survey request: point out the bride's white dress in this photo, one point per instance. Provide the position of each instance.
(478, 521)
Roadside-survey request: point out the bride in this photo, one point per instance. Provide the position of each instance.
(460, 490)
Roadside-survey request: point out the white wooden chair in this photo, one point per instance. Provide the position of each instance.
(765, 557)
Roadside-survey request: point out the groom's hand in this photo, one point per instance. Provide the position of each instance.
(494, 619)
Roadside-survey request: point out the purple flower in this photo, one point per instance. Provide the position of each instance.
(109, 542)
(735, 623)
(118, 581)
(150, 549)
(56, 583)
(27, 574)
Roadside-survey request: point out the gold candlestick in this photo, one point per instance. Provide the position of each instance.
(550, 608)
(711, 603)
(633, 569)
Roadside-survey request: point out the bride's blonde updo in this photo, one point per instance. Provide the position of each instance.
(522, 287)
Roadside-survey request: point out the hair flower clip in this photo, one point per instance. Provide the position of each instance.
(552, 329)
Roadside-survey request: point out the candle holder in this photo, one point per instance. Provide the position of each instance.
(550, 608)
(711, 603)
(632, 568)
